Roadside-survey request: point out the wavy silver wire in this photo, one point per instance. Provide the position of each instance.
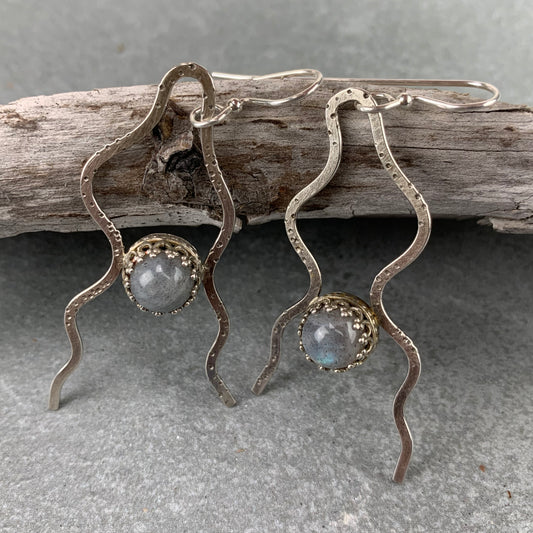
(297, 202)
(155, 114)
(315, 277)
(361, 97)
(376, 291)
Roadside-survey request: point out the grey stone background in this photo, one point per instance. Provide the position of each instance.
(141, 444)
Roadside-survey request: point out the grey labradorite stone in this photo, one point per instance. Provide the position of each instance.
(161, 284)
(330, 339)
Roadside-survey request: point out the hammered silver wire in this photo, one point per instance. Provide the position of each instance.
(360, 97)
(191, 70)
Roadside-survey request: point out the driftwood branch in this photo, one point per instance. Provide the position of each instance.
(467, 164)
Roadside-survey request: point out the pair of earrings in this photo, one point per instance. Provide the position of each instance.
(162, 273)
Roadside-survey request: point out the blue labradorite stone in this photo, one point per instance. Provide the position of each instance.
(161, 284)
(330, 339)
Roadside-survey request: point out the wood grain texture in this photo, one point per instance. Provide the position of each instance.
(467, 164)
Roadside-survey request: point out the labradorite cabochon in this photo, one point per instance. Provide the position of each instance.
(161, 284)
(330, 339)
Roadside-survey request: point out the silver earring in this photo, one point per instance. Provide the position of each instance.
(340, 312)
(162, 252)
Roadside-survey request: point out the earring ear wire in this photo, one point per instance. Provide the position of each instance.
(407, 99)
(236, 104)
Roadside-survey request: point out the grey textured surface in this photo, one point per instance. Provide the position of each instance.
(77, 45)
(142, 444)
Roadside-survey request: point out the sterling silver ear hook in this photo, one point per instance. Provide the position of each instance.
(236, 104)
(338, 331)
(406, 98)
(175, 257)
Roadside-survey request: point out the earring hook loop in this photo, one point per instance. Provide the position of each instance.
(236, 104)
(406, 99)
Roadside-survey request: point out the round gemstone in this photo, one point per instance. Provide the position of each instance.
(330, 339)
(161, 284)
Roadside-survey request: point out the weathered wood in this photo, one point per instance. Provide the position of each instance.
(467, 164)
